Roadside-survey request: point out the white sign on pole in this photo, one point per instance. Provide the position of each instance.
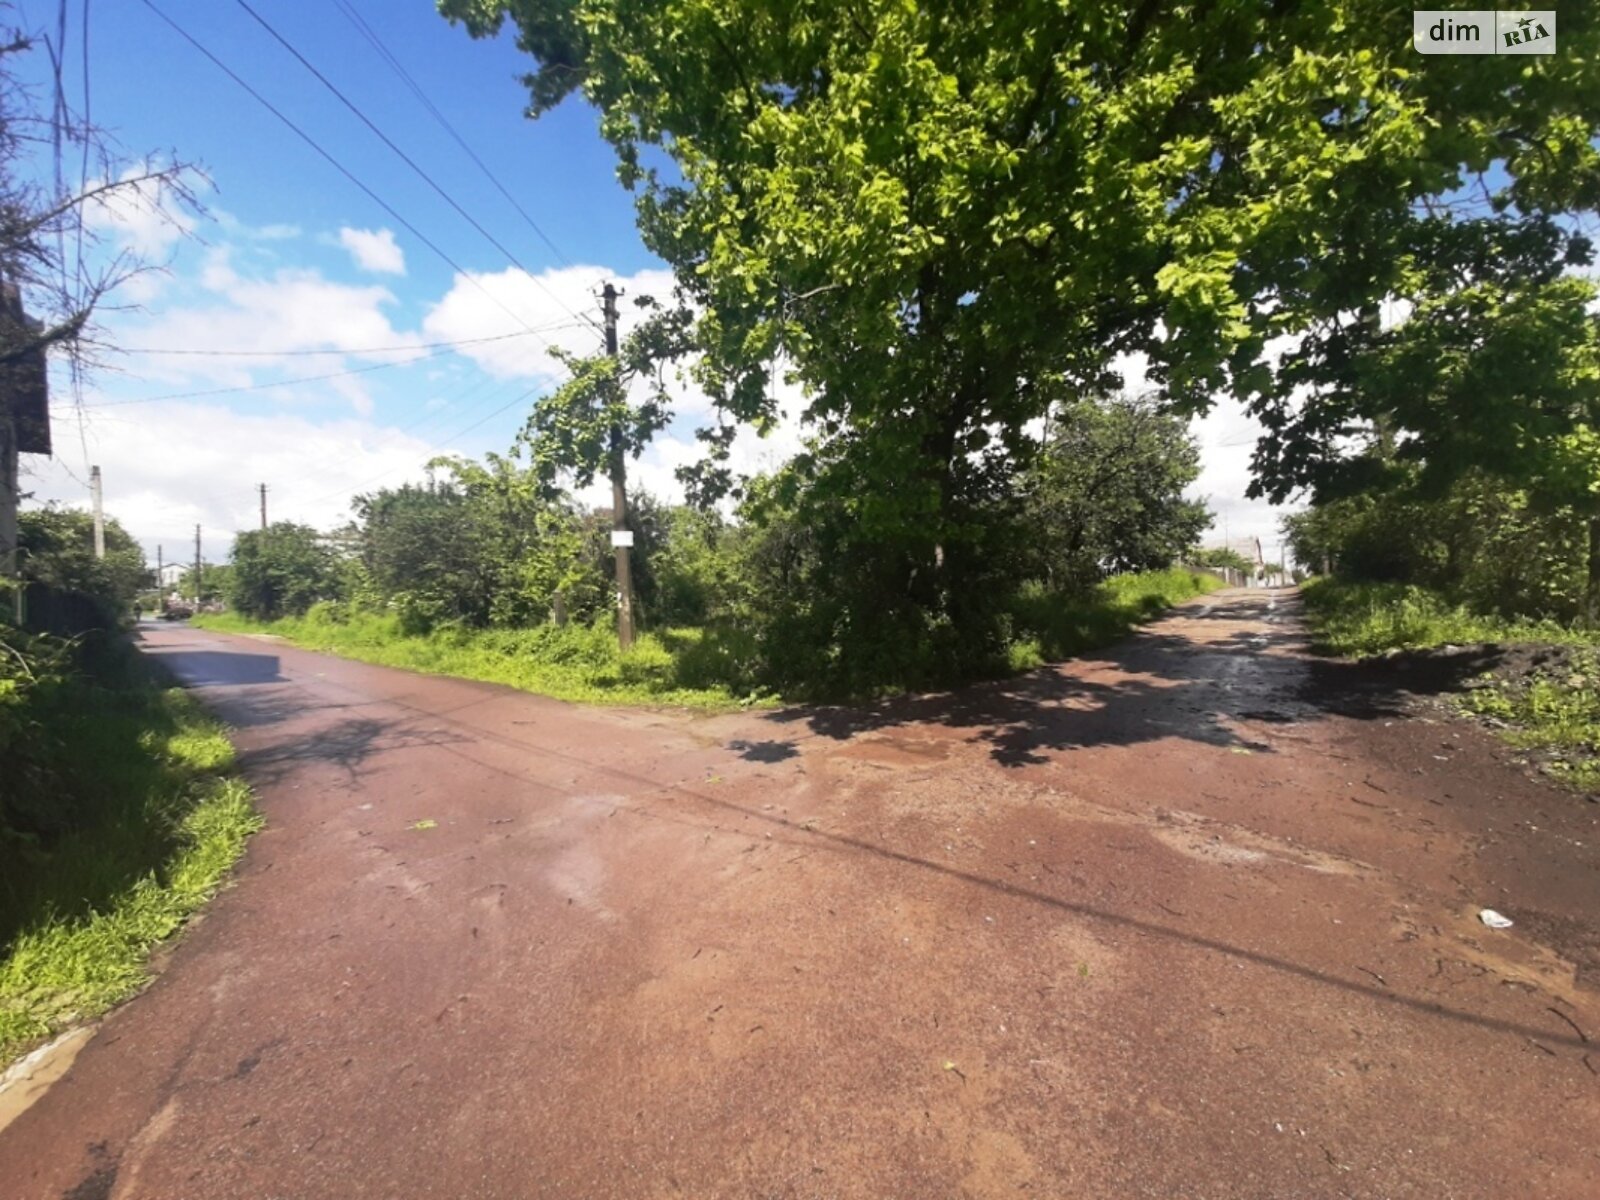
(621, 537)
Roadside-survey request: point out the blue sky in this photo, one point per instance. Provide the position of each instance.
(294, 264)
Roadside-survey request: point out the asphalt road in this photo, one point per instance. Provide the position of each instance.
(1195, 917)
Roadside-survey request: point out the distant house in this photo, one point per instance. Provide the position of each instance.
(24, 412)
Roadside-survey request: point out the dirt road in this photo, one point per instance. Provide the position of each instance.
(1192, 918)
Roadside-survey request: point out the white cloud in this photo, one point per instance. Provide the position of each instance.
(168, 467)
(554, 303)
(1227, 436)
(374, 250)
(277, 231)
(270, 317)
(139, 216)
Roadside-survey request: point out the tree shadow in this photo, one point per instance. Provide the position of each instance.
(801, 835)
(202, 668)
(1198, 683)
(764, 752)
(346, 745)
(1060, 708)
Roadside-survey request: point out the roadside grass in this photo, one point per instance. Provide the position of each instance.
(126, 822)
(1358, 619)
(1544, 702)
(1050, 626)
(711, 668)
(683, 667)
(1554, 710)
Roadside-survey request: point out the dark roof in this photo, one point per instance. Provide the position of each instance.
(24, 385)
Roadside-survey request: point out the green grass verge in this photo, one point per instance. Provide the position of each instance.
(133, 822)
(1551, 707)
(710, 668)
(1359, 619)
(689, 668)
(1050, 626)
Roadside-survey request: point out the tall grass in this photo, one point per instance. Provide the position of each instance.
(1048, 626)
(687, 667)
(126, 823)
(713, 667)
(1356, 619)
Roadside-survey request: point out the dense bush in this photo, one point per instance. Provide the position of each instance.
(55, 548)
(1481, 545)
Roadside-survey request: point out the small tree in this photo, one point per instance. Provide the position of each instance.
(280, 571)
(215, 580)
(1107, 493)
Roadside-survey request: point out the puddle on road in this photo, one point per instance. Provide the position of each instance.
(897, 751)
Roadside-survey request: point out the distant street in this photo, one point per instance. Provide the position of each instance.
(1194, 917)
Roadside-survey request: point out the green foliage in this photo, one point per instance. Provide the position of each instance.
(1491, 548)
(591, 424)
(693, 668)
(280, 570)
(1049, 625)
(483, 546)
(117, 821)
(1106, 496)
(1222, 557)
(55, 547)
(723, 665)
(949, 219)
(215, 583)
(1372, 618)
(1552, 708)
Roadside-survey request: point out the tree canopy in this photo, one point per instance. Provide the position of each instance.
(950, 217)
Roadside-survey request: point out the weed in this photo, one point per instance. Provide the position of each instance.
(1552, 709)
(136, 823)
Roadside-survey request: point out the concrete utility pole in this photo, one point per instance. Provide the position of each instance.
(99, 513)
(197, 568)
(161, 580)
(621, 539)
(262, 488)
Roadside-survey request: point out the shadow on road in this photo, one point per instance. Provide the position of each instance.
(203, 668)
(1198, 685)
(346, 745)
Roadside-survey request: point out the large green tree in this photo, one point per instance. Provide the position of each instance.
(948, 217)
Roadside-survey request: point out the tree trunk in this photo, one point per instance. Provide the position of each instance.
(1591, 588)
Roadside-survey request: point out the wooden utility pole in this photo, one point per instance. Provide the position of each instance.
(99, 512)
(197, 568)
(262, 488)
(621, 539)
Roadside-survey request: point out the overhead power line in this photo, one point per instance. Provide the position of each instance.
(458, 434)
(449, 348)
(258, 387)
(399, 349)
(334, 162)
(404, 157)
(417, 90)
